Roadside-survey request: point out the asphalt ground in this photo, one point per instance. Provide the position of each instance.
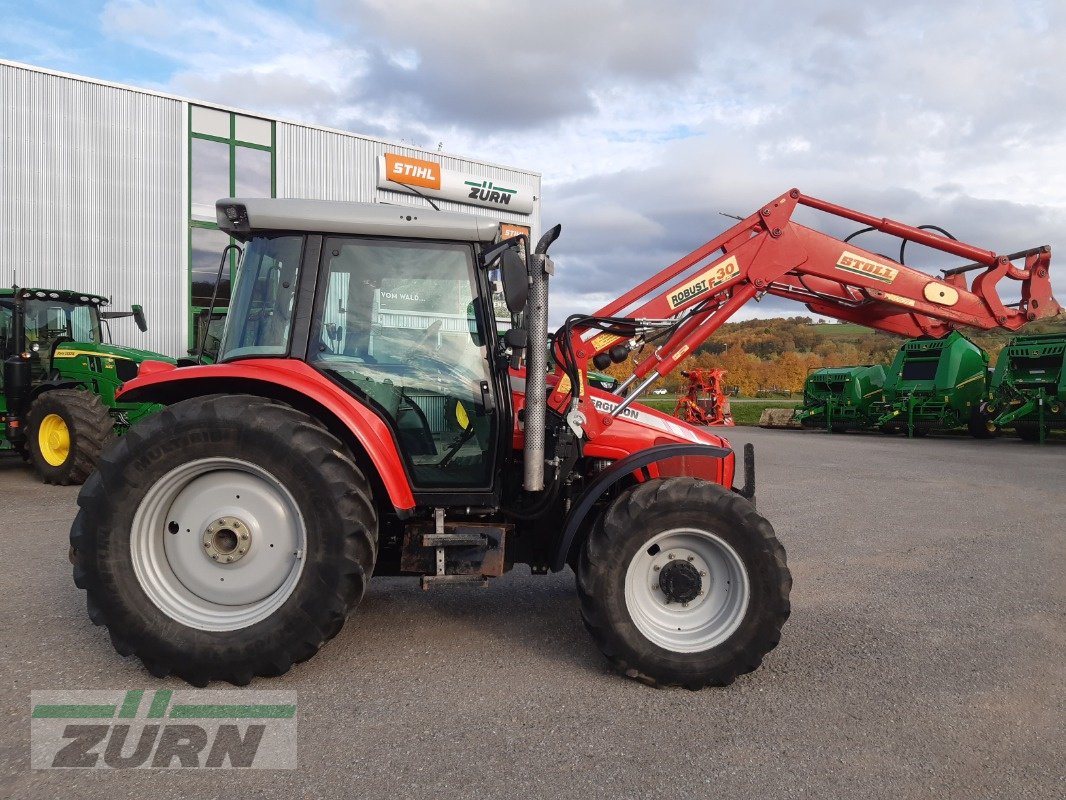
(924, 655)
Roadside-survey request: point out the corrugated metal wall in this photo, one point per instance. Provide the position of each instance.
(326, 165)
(92, 195)
(94, 191)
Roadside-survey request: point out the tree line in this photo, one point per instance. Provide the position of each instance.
(767, 355)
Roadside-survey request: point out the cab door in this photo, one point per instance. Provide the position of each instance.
(397, 323)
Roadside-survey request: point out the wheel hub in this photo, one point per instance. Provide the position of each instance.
(687, 589)
(192, 544)
(227, 540)
(54, 440)
(680, 582)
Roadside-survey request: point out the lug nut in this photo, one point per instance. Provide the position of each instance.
(692, 558)
(669, 555)
(703, 573)
(684, 605)
(656, 568)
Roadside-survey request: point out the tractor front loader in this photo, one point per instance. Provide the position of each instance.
(365, 418)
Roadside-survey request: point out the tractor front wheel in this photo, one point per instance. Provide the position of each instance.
(66, 430)
(683, 583)
(224, 537)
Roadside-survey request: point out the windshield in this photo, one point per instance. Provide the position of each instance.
(51, 321)
(48, 323)
(259, 320)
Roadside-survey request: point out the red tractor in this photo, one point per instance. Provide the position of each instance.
(703, 401)
(365, 418)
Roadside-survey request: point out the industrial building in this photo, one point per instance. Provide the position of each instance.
(111, 189)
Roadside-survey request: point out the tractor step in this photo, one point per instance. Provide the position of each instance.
(454, 540)
(453, 553)
(429, 581)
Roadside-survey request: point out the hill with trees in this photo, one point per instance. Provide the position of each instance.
(775, 355)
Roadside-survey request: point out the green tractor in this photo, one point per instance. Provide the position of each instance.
(841, 398)
(935, 384)
(57, 396)
(1028, 387)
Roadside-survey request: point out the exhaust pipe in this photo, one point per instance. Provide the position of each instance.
(541, 267)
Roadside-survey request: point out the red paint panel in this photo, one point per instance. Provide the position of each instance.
(369, 430)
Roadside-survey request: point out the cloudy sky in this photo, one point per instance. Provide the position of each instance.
(646, 119)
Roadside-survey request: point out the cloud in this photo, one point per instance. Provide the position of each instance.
(497, 66)
(646, 120)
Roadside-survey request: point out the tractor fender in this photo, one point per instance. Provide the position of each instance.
(52, 384)
(612, 475)
(296, 384)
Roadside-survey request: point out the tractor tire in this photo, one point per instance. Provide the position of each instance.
(980, 425)
(1028, 432)
(66, 430)
(224, 537)
(683, 583)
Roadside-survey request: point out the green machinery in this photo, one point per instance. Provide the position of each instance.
(841, 398)
(57, 396)
(1028, 388)
(934, 384)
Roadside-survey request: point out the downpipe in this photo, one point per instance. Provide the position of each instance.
(541, 268)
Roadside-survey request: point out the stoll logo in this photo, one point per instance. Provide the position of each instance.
(851, 262)
(181, 729)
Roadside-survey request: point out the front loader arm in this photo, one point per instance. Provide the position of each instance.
(769, 253)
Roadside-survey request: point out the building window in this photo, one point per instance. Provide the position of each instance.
(230, 155)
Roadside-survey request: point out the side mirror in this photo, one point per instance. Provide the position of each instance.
(138, 317)
(515, 279)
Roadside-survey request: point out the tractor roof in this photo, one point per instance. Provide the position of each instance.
(242, 217)
(62, 295)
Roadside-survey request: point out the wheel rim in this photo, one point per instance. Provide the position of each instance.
(687, 590)
(218, 544)
(53, 438)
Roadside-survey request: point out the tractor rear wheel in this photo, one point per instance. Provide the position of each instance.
(66, 430)
(683, 583)
(224, 537)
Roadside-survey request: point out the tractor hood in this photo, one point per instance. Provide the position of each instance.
(72, 349)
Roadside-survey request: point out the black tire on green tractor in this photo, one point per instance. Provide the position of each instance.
(1028, 431)
(980, 425)
(66, 431)
(224, 537)
(683, 583)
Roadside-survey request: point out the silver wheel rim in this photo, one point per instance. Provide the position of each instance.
(218, 544)
(707, 620)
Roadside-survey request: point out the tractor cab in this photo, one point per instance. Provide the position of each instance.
(398, 314)
(49, 318)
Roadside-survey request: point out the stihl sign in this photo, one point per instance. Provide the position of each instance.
(431, 179)
(412, 171)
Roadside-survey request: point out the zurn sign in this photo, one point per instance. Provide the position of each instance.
(164, 729)
(433, 180)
